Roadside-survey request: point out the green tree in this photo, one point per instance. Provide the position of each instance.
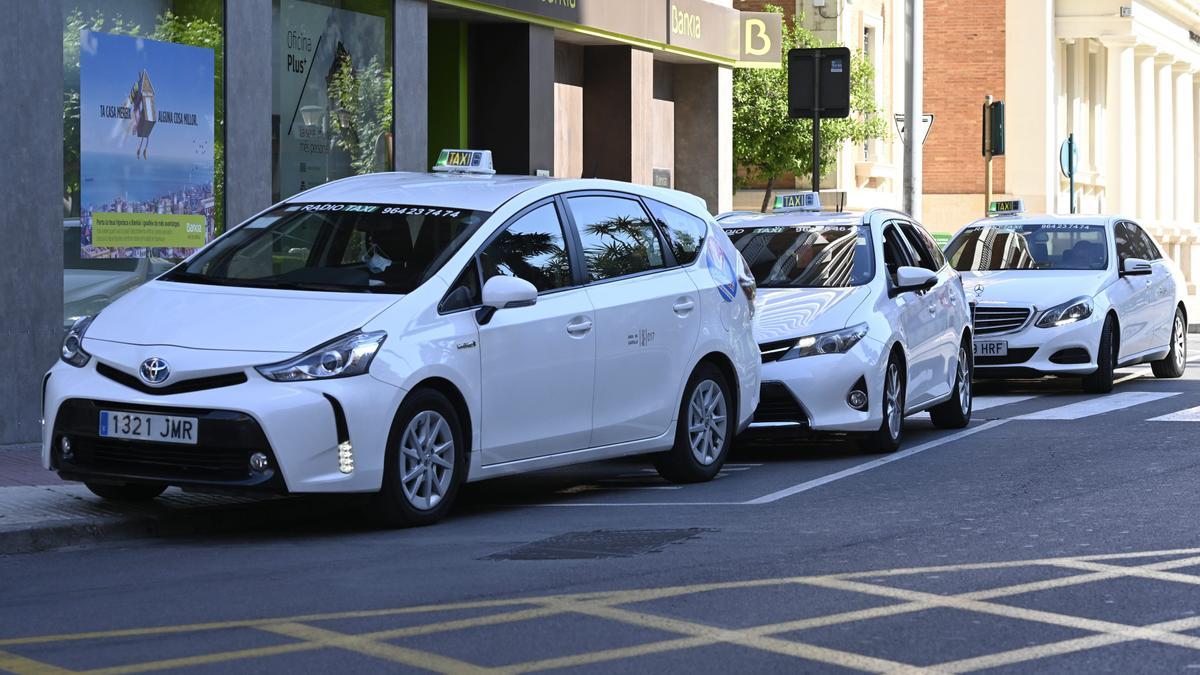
(767, 143)
(364, 113)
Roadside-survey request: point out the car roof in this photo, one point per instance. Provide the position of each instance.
(1048, 219)
(463, 191)
(794, 218)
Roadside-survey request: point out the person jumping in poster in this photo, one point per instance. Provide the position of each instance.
(142, 99)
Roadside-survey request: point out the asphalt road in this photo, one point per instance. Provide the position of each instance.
(1057, 534)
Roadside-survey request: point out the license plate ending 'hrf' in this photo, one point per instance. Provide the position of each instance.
(146, 427)
(995, 348)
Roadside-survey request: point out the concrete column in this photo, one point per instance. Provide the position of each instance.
(1185, 146)
(247, 109)
(618, 98)
(1165, 124)
(31, 224)
(704, 134)
(1147, 143)
(1031, 160)
(512, 95)
(1196, 139)
(1120, 152)
(410, 63)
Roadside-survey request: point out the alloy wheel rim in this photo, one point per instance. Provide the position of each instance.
(707, 422)
(1180, 341)
(892, 401)
(426, 460)
(964, 381)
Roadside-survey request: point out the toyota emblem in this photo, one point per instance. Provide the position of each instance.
(154, 371)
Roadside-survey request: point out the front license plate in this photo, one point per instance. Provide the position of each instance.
(994, 348)
(145, 427)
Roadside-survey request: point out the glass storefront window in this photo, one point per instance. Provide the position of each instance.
(332, 91)
(143, 136)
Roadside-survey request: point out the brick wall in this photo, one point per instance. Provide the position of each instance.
(964, 61)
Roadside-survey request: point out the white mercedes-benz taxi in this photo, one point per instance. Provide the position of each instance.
(1070, 295)
(860, 321)
(402, 333)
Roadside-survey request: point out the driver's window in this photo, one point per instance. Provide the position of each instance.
(1126, 243)
(897, 252)
(532, 248)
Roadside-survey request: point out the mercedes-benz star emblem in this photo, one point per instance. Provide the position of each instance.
(978, 289)
(154, 371)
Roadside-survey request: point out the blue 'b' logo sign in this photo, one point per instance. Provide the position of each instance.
(721, 270)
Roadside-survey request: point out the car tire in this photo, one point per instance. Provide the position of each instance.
(418, 489)
(1101, 381)
(891, 430)
(1175, 362)
(705, 431)
(956, 412)
(126, 492)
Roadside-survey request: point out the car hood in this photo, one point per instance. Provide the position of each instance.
(236, 319)
(1040, 288)
(781, 314)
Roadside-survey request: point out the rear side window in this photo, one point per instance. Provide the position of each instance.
(685, 233)
(531, 248)
(618, 237)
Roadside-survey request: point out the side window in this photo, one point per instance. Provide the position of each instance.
(618, 238)
(685, 233)
(926, 248)
(1147, 246)
(532, 248)
(1127, 246)
(897, 252)
(464, 292)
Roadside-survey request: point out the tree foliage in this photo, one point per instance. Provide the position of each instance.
(767, 143)
(363, 97)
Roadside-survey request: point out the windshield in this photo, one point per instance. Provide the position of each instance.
(1029, 246)
(362, 248)
(806, 256)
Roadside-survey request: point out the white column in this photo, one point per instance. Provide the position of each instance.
(1165, 124)
(1147, 199)
(1196, 139)
(1030, 64)
(1120, 148)
(1185, 146)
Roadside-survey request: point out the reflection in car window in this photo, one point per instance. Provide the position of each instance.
(618, 238)
(806, 256)
(533, 249)
(335, 247)
(1029, 246)
(930, 256)
(897, 252)
(1133, 242)
(685, 232)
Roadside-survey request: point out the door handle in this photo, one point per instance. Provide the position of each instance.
(684, 306)
(932, 309)
(579, 326)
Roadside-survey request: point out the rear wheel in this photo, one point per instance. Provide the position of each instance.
(891, 430)
(705, 429)
(956, 412)
(126, 492)
(1175, 361)
(1101, 381)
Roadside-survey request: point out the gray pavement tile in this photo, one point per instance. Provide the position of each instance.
(1132, 601)
(757, 606)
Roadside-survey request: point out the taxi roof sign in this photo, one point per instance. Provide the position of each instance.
(799, 201)
(465, 161)
(1006, 208)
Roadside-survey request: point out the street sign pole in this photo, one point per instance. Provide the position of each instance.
(1071, 177)
(987, 154)
(816, 129)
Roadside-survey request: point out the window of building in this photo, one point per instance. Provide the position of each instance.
(331, 91)
(143, 137)
(618, 238)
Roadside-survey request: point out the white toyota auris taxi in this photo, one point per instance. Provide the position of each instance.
(400, 334)
(860, 321)
(1070, 295)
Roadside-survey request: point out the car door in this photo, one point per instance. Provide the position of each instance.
(538, 363)
(1131, 295)
(1162, 289)
(944, 298)
(916, 315)
(647, 316)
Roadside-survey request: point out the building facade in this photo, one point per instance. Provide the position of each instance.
(143, 128)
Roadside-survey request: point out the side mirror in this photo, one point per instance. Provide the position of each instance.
(502, 292)
(910, 279)
(1136, 267)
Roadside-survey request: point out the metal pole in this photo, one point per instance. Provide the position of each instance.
(816, 130)
(913, 104)
(987, 154)
(1071, 168)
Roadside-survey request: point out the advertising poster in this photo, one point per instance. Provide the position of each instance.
(146, 147)
(322, 136)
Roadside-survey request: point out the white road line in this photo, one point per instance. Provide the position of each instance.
(1098, 406)
(982, 403)
(1189, 415)
(855, 470)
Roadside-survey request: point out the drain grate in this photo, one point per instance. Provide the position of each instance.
(598, 544)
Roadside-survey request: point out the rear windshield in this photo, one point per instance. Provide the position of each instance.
(364, 248)
(806, 256)
(1029, 246)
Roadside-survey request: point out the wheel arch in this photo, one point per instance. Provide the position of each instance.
(725, 365)
(450, 391)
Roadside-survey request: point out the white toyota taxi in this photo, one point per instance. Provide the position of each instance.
(402, 333)
(1070, 295)
(860, 321)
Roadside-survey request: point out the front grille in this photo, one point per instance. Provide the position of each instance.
(776, 404)
(1014, 356)
(997, 320)
(773, 351)
(181, 387)
(161, 459)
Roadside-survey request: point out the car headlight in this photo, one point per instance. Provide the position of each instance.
(1068, 312)
(833, 342)
(346, 356)
(72, 344)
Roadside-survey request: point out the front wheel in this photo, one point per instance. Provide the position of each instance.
(1101, 381)
(1175, 362)
(126, 492)
(425, 463)
(704, 432)
(891, 430)
(956, 412)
